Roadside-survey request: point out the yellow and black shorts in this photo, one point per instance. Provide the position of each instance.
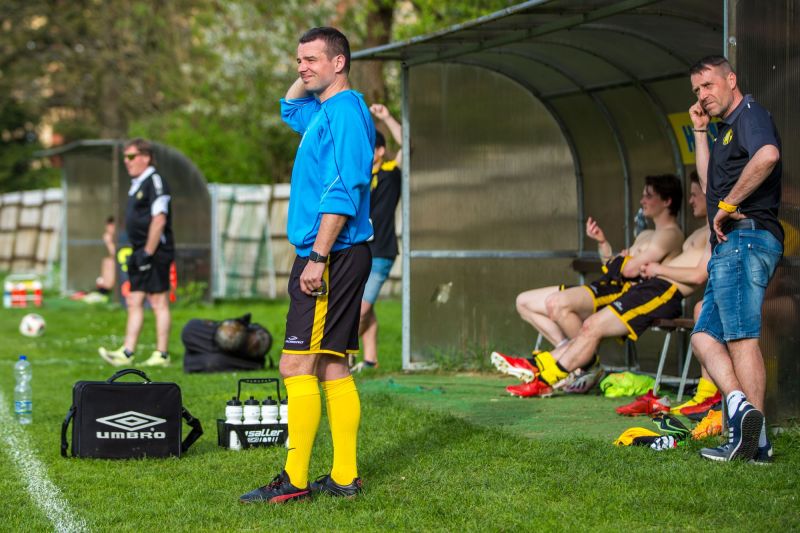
(328, 323)
(611, 285)
(604, 291)
(645, 302)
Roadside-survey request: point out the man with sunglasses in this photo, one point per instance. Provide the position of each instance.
(148, 222)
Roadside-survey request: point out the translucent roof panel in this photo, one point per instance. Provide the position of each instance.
(652, 39)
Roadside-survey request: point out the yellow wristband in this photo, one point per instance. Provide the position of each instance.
(730, 208)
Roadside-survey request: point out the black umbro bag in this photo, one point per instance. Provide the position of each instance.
(122, 419)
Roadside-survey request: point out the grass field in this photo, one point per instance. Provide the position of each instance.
(438, 451)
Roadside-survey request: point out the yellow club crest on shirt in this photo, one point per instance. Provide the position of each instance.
(728, 137)
(140, 194)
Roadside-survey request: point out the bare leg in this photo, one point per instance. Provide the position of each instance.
(108, 274)
(716, 360)
(569, 309)
(580, 351)
(135, 302)
(533, 310)
(748, 364)
(368, 329)
(160, 304)
(331, 367)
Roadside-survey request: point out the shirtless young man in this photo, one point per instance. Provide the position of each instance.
(558, 312)
(641, 303)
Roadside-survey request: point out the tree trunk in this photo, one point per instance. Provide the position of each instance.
(368, 75)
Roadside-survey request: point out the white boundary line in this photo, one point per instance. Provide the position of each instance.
(46, 495)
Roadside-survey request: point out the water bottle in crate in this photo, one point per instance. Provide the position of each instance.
(257, 429)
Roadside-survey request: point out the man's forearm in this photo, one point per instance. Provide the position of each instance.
(754, 173)
(690, 275)
(702, 157)
(329, 228)
(154, 232)
(297, 90)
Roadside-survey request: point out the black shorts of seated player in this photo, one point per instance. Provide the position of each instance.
(328, 323)
(156, 278)
(642, 304)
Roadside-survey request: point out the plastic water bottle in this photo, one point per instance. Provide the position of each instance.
(269, 411)
(233, 415)
(639, 222)
(23, 406)
(284, 411)
(252, 411)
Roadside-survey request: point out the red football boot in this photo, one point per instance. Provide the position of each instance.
(518, 367)
(649, 404)
(535, 389)
(700, 410)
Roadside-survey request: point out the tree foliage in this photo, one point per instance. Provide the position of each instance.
(204, 76)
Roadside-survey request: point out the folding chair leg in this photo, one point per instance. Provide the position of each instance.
(664, 351)
(538, 342)
(686, 365)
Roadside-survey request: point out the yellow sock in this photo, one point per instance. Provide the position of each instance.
(549, 371)
(344, 415)
(305, 410)
(705, 390)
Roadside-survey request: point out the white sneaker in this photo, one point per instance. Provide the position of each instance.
(156, 359)
(116, 357)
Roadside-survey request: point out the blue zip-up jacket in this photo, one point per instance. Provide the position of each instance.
(332, 168)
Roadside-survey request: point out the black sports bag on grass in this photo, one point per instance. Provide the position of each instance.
(123, 419)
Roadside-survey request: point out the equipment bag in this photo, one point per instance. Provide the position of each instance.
(120, 420)
(203, 353)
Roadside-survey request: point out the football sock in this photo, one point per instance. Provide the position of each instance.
(734, 399)
(344, 415)
(549, 370)
(305, 410)
(370, 363)
(762, 438)
(705, 390)
(127, 352)
(165, 355)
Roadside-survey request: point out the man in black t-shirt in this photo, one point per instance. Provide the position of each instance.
(741, 174)
(148, 222)
(384, 195)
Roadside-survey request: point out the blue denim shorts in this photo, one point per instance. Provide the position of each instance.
(738, 273)
(381, 266)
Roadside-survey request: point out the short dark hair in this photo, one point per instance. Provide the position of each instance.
(667, 187)
(708, 62)
(694, 177)
(380, 140)
(143, 147)
(335, 43)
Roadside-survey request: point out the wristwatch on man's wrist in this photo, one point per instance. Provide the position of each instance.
(314, 257)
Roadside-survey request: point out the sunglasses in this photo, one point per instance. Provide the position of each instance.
(131, 157)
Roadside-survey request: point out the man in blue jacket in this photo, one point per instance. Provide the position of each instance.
(329, 226)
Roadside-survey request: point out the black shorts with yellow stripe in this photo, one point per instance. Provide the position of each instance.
(604, 291)
(329, 323)
(645, 302)
(612, 284)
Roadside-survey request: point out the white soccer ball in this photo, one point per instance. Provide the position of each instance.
(32, 325)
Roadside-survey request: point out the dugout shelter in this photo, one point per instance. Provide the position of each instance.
(95, 185)
(520, 124)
